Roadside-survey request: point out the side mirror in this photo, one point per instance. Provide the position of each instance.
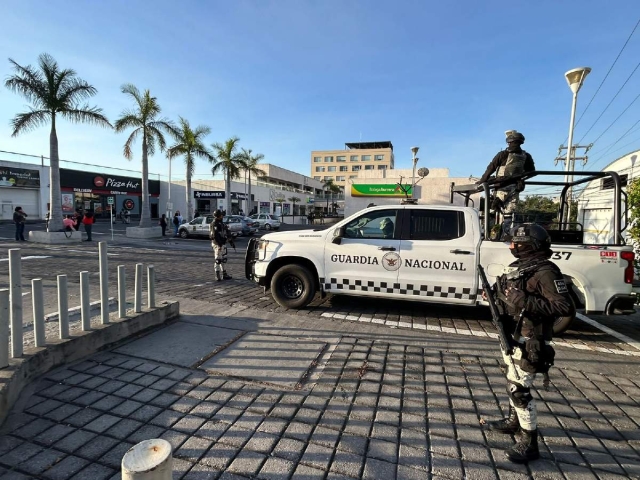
(338, 233)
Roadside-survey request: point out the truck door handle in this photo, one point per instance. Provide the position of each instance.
(457, 251)
(387, 249)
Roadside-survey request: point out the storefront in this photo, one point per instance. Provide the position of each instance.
(209, 200)
(101, 192)
(19, 187)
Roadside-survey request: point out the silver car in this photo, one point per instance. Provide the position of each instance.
(267, 221)
(234, 223)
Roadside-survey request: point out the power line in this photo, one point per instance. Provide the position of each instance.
(607, 75)
(614, 143)
(618, 118)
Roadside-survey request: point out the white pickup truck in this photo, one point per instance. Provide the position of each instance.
(422, 253)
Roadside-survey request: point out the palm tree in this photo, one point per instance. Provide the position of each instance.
(228, 161)
(294, 200)
(330, 187)
(189, 143)
(250, 165)
(51, 92)
(144, 121)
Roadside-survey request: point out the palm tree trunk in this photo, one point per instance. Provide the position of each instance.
(55, 196)
(188, 199)
(227, 191)
(145, 212)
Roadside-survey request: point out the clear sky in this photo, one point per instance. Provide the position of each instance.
(291, 76)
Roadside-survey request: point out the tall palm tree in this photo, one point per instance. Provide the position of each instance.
(144, 121)
(189, 143)
(294, 200)
(330, 187)
(250, 166)
(52, 91)
(228, 161)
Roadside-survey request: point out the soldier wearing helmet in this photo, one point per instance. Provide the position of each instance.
(508, 163)
(218, 234)
(535, 294)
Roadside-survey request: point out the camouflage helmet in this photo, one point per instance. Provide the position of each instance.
(533, 234)
(217, 213)
(516, 137)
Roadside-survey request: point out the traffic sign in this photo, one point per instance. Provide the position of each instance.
(110, 200)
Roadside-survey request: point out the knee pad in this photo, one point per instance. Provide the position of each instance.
(519, 395)
(218, 261)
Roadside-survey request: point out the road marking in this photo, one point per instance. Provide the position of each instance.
(628, 340)
(28, 257)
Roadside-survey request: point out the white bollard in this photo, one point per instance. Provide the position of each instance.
(122, 292)
(85, 301)
(104, 283)
(63, 307)
(148, 460)
(137, 300)
(15, 279)
(37, 299)
(151, 286)
(4, 327)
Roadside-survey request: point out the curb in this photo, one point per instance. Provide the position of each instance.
(39, 360)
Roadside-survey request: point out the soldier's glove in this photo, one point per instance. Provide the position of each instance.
(515, 298)
(533, 349)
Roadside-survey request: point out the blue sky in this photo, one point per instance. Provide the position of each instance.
(291, 76)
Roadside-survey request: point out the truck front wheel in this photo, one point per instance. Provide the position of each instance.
(292, 286)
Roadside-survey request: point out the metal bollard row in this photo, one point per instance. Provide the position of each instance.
(11, 312)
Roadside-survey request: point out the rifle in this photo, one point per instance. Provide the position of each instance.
(505, 344)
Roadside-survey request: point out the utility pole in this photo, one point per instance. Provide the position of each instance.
(570, 167)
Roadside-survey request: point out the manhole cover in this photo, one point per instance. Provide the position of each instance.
(264, 358)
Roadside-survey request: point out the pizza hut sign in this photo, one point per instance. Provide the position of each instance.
(113, 183)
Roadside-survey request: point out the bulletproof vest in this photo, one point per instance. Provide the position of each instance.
(513, 166)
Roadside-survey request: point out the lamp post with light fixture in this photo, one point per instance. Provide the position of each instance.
(575, 78)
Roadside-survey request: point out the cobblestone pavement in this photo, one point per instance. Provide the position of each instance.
(378, 403)
(184, 269)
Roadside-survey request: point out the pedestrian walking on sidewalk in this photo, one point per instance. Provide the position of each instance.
(19, 218)
(218, 234)
(163, 223)
(176, 224)
(534, 295)
(88, 221)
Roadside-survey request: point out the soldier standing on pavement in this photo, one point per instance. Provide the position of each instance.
(218, 235)
(535, 294)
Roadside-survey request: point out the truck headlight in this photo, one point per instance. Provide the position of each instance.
(262, 249)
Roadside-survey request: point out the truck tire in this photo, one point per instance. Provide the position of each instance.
(292, 286)
(562, 324)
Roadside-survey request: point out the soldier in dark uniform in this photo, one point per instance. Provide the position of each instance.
(218, 234)
(508, 163)
(535, 295)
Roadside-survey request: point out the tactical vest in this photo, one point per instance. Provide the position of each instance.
(513, 166)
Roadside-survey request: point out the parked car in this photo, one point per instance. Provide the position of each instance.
(241, 225)
(267, 221)
(199, 227)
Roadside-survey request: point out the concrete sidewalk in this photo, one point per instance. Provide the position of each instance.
(243, 393)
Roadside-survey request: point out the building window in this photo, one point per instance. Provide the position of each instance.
(354, 158)
(378, 158)
(341, 158)
(607, 182)
(355, 168)
(344, 168)
(368, 167)
(319, 169)
(317, 159)
(366, 158)
(340, 178)
(328, 159)
(327, 178)
(353, 176)
(317, 178)
(331, 169)
(382, 167)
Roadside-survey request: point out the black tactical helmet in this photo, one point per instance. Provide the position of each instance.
(217, 213)
(516, 137)
(533, 234)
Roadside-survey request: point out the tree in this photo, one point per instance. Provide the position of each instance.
(250, 165)
(294, 200)
(332, 188)
(541, 209)
(280, 199)
(633, 192)
(144, 121)
(227, 160)
(189, 143)
(52, 92)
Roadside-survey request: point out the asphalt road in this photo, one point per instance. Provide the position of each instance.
(184, 268)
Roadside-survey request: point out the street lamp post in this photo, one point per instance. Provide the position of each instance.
(414, 151)
(575, 78)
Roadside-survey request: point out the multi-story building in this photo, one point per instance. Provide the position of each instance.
(341, 165)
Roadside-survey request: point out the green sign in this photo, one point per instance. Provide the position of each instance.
(380, 190)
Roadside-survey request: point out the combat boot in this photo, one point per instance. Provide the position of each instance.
(506, 425)
(526, 449)
(226, 276)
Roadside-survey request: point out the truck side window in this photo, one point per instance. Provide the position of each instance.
(436, 225)
(209, 220)
(378, 224)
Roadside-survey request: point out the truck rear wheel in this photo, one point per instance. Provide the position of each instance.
(562, 324)
(292, 286)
